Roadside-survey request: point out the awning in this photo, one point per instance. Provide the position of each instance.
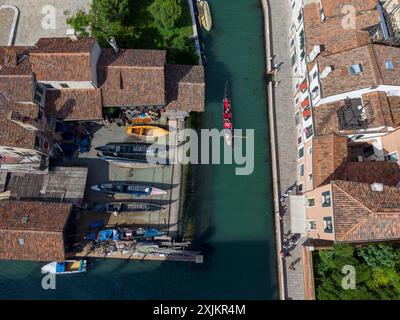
(307, 113)
(305, 103)
(297, 211)
(303, 86)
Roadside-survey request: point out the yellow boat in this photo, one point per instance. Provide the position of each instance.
(204, 14)
(147, 131)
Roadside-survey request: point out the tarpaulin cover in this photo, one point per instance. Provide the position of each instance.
(60, 267)
(105, 235)
(152, 233)
(91, 236)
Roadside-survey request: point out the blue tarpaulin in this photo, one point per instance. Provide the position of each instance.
(152, 233)
(60, 267)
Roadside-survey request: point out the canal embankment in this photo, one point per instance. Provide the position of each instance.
(282, 138)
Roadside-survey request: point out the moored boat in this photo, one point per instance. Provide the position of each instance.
(124, 149)
(128, 188)
(121, 207)
(66, 267)
(151, 131)
(227, 116)
(204, 14)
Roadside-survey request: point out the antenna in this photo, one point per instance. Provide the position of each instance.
(113, 43)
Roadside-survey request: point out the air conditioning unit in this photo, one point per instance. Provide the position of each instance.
(326, 72)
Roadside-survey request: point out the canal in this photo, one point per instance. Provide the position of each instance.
(234, 212)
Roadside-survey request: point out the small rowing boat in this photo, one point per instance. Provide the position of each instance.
(128, 188)
(121, 207)
(66, 267)
(151, 131)
(227, 115)
(204, 14)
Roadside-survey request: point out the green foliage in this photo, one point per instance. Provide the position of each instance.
(166, 13)
(376, 266)
(146, 24)
(105, 18)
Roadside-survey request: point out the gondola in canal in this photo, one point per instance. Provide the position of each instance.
(204, 14)
(227, 115)
(147, 131)
(128, 188)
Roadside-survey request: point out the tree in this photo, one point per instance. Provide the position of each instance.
(166, 13)
(379, 255)
(105, 18)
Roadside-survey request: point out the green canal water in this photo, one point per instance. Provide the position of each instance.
(236, 217)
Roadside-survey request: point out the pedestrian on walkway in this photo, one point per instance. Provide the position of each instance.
(291, 266)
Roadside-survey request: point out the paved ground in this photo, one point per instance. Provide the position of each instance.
(286, 134)
(6, 18)
(31, 15)
(167, 178)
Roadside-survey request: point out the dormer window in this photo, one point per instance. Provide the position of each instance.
(355, 69)
(64, 85)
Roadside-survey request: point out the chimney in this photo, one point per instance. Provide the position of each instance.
(377, 187)
(113, 44)
(10, 57)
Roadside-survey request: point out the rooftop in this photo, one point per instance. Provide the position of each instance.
(74, 104)
(13, 134)
(185, 88)
(371, 110)
(361, 214)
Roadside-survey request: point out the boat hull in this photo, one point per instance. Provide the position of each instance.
(121, 207)
(147, 131)
(129, 189)
(227, 116)
(205, 15)
(52, 267)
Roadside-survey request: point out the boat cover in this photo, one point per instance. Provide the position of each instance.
(152, 233)
(60, 267)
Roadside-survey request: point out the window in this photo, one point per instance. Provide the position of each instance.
(326, 199)
(299, 140)
(21, 242)
(393, 157)
(48, 86)
(301, 170)
(64, 85)
(389, 65)
(310, 202)
(301, 152)
(328, 225)
(312, 224)
(368, 151)
(315, 74)
(310, 151)
(300, 187)
(355, 69)
(310, 176)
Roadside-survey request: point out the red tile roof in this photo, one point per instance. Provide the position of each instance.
(74, 104)
(338, 7)
(330, 156)
(33, 230)
(362, 215)
(63, 59)
(185, 88)
(132, 77)
(12, 134)
(370, 172)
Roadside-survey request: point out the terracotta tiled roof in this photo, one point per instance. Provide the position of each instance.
(370, 172)
(380, 110)
(33, 230)
(335, 7)
(361, 214)
(132, 77)
(12, 134)
(63, 59)
(373, 59)
(74, 104)
(330, 156)
(16, 77)
(186, 88)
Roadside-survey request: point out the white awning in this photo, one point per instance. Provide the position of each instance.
(297, 210)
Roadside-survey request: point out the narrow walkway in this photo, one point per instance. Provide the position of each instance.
(285, 137)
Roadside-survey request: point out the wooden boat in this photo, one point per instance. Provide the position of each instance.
(134, 152)
(227, 116)
(66, 267)
(151, 131)
(128, 188)
(120, 207)
(204, 14)
(139, 158)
